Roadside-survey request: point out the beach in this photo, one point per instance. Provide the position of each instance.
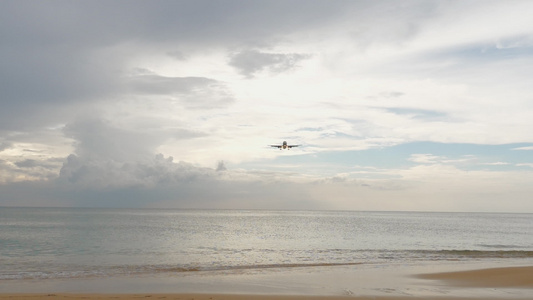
(490, 279)
(210, 297)
(495, 283)
(234, 254)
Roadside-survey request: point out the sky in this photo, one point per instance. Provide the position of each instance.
(396, 105)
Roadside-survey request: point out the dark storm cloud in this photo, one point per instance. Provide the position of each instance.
(56, 54)
(34, 82)
(251, 61)
(47, 60)
(102, 23)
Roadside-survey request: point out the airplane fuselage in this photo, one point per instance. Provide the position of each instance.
(284, 145)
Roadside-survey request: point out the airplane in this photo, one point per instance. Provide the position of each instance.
(284, 146)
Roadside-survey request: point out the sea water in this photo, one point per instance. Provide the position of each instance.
(62, 243)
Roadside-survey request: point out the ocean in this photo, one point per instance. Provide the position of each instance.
(65, 243)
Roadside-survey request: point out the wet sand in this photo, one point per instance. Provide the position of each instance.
(472, 284)
(216, 297)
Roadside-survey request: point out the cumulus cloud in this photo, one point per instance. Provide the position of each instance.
(97, 138)
(156, 172)
(113, 166)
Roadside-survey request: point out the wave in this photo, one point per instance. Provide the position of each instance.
(497, 246)
(443, 254)
(337, 257)
(143, 270)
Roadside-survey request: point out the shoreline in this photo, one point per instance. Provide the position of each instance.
(222, 297)
(435, 282)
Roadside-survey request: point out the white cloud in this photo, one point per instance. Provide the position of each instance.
(498, 163)
(524, 148)
(525, 165)
(435, 159)
(425, 158)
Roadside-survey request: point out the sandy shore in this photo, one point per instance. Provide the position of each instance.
(214, 297)
(515, 277)
(494, 283)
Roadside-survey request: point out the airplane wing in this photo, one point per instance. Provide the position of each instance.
(290, 146)
(279, 146)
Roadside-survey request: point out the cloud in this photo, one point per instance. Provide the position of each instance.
(5, 145)
(103, 179)
(419, 113)
(27, 163)
(193, 92)
(97, 138)
(425, 158)
(7, 172)
(41, 74)
(498, 163)
(112, 166)
(526, 165)
(524, 148)
(103, 174)
(151, 106)
(221, 166)
(251, 62)
(28, 170)
(435, 159)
